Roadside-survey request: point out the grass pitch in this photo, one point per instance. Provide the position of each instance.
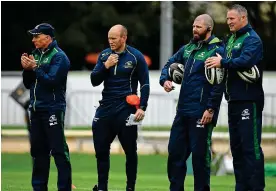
(16, 174)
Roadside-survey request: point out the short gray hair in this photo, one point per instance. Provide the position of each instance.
(239, 8)
(123, 31)
(209, 22)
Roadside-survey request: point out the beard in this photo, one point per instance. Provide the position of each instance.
(200, 37)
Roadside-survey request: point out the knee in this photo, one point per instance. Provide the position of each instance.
(36, 151)
(252, 152)
(130, 149)
(102, 155)
(131, 154)
(199, 156)
(173, 149)
(203, 157)
(174, 156)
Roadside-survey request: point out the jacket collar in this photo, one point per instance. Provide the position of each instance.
(52, 44)
(243, 30)
(121, 53)
(210, 42)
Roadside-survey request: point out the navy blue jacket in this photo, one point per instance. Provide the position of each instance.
(244, 50)
(196, 93)
(47, 83)
(122, 79)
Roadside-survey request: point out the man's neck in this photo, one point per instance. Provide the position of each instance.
(207, 36)
(242, 26)
(122, 49)
(46, 47)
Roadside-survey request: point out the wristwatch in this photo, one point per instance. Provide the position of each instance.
(210, 110)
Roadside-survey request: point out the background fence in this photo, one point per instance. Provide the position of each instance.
(82, 104)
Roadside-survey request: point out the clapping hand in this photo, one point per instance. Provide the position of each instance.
(28, 62)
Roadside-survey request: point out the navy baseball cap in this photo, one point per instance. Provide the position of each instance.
(43, 28)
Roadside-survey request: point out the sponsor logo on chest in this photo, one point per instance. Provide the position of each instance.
(105, 54)
(188, 52)
(128, 64)
(237, 46)
(201, 55)
(45, 60)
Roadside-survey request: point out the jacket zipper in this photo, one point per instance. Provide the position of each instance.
(36, 79)
(226, 88)
(229, 55)
(192, 66)
(115, 69)
(54, 94)
(201, 94)
(34, 94)
(197, 48)
(186, 64)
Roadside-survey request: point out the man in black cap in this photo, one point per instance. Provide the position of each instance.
(45, 74)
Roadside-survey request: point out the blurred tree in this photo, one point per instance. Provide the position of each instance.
(183, 20)
(81, 27)
(262, 16)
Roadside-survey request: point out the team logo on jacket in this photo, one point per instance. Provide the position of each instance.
(245, 114)
(187, 53)
(96, 119)
(105, 54)
(53, 120)
(201, 55)
(45, 60)
(237, 46)
(198, 124)
(128, 64)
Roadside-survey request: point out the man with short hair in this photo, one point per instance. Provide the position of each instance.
(197, 108)
(45, 74)
(245, 100)
(120, 68)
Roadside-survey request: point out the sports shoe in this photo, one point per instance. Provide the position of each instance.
(96, 188)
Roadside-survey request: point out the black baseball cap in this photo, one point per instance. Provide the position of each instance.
(43, 28)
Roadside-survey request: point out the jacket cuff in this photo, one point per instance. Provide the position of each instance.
(144, 108)
(161, 82)
(224, 63)
(103, 68)
(210, 106)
